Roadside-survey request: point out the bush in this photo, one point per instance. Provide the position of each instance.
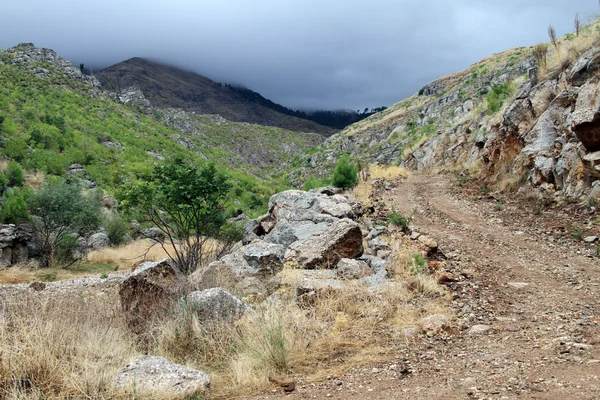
(496, 97)
(15, 175)
(14, 207)
(398, 219)
(3, 183)
(116, 228)
(345, 174)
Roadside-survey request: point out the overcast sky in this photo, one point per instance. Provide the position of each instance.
(301, 53)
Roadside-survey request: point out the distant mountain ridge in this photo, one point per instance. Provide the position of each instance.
(170, 87)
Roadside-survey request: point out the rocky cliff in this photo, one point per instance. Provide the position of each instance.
(511, 120)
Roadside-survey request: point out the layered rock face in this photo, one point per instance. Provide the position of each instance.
(14, 242)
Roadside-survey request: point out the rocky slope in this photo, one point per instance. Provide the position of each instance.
(511, 120)
(169, 87)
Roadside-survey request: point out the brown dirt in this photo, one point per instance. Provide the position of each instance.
(544, 337)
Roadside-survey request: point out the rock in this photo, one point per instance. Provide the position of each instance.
(590, 239)
(342, 240)
(585, 67)
(586, 116)
(411, 332)
(14, 244)
(216, 304)
(445, 277)
(517, 285)
(428, 242)
(379, 244)
(415, 235)
(37, 286)
(149, 290)
(134, 96)
(479, 330)
(350, 269)
(149, 375)
(216, 274)
(264, 258)
(153, 234)
(251, 287)
(316, 285)
(98, 240)
(434, 324)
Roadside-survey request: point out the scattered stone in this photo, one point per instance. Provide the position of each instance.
(216, 304)
(590, 239)
(517, 285)
(434, 324)
(216, 274)
(415, 235)
(479, 330)
(411, 332)
(428, 242)
(251, 287)
(150, 375)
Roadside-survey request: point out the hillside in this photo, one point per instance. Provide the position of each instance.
(510, 120)
(56, 121)
(170, 87)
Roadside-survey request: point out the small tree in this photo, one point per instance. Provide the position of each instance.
(15, 175)
(577, 23)
(60, 210)
(188, 205)
(345, 174)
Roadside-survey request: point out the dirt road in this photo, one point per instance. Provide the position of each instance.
(533, 293)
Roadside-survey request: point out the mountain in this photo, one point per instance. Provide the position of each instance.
(527, 117)
(56, 121)
(169, 87)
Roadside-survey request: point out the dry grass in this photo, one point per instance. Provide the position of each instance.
(71, 347)
(386, 172)
(60, 348)
(129, 255)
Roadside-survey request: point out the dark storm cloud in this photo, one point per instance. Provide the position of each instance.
(301, 53)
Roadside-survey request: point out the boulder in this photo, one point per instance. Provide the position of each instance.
(342, 240)
(258, 258)
(98, 240)
(586, 116)
(149, 290)
(353, 269)
(216, 274)
(152, 375)
(215, 304)
(585, 67)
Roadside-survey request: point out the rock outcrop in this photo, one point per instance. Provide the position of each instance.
(14, 242)
(215, 304)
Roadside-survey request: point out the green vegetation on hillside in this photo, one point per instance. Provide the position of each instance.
(50, 123)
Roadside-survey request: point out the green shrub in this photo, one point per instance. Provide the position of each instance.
(577, 233)
(345, 174)
(15, 175)
(14, 207)
(116, 228)
(496, 97)
(3, 183)
(418, 265)
(397, 218)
